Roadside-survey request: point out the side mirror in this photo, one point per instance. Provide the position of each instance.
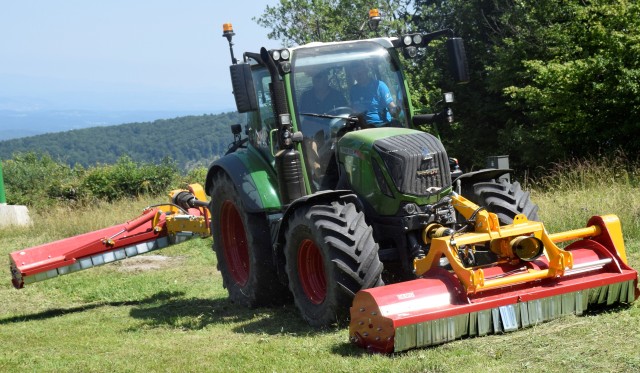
(444, 117)
(236, 129)
(458, 60)
(243, 91)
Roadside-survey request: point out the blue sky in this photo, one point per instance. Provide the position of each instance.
(123, 55)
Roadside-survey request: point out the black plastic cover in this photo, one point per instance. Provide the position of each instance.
(243, 92)
(458, 60)
(417, 163)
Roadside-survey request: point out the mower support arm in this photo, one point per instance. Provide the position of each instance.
(488, 232)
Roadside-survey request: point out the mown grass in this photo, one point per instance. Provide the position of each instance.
(177, 318)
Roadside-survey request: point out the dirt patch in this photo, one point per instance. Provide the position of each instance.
(147, 262)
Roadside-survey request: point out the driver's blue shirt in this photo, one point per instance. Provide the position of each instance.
(372, 99)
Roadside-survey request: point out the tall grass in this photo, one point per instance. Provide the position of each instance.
(574, 191)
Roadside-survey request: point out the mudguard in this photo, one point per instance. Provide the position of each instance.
(482, 175)
(253, 176)
(463, 184)
(318, 198)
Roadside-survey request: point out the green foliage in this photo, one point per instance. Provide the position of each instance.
(37, 180)
(126, 178)
(195, 175)
(297, 22)
(585, 93)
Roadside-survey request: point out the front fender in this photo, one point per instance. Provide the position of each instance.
(252, 176)
(467, 180)
(484, 174)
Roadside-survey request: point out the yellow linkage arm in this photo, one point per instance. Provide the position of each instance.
(488, 229)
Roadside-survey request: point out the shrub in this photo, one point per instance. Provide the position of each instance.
(38, 180)
(127, 178)
(31, 179)
(195, 175)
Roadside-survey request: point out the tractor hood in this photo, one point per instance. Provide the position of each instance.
(395, 163)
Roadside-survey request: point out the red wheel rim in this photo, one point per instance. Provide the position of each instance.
(234, 243)
(311, 272)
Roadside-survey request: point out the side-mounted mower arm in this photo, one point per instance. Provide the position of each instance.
(157, 227)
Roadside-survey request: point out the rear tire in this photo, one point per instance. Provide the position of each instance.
(330, 255)
(504, 199)
(242, 244)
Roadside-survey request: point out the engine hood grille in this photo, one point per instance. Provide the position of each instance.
(417, 163)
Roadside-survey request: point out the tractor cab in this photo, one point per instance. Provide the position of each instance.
(327, 88)
(330, 84)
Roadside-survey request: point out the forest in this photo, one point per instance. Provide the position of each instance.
(189, 141)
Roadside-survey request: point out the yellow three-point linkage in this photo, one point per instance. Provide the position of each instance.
(501, 239)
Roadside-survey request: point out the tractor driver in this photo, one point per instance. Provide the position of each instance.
(371, 96)
(321, 98)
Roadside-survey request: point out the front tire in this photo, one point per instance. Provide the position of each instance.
(330, 255)
(242, 244)
(504, 199)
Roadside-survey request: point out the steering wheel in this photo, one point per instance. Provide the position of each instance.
(342, 110)
(337, 124)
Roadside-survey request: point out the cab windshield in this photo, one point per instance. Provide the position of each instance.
(335, 81)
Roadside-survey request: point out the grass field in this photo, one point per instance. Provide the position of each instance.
(168, 312)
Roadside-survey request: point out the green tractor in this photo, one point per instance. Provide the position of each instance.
(328, 190)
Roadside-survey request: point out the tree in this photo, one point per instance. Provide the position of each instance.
(550, 80)
(584, 95)
(297, 22)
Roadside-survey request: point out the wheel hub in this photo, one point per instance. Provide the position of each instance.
(234, 243)
(311, 272)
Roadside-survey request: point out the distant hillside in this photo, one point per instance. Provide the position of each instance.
(19, 123)
(190, 141)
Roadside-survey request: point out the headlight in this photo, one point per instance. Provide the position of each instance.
(448, 97)
(413, 39)
(286, 67)
(280, 55)
(411, 51)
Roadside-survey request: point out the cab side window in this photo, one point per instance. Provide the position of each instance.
(263, 120)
